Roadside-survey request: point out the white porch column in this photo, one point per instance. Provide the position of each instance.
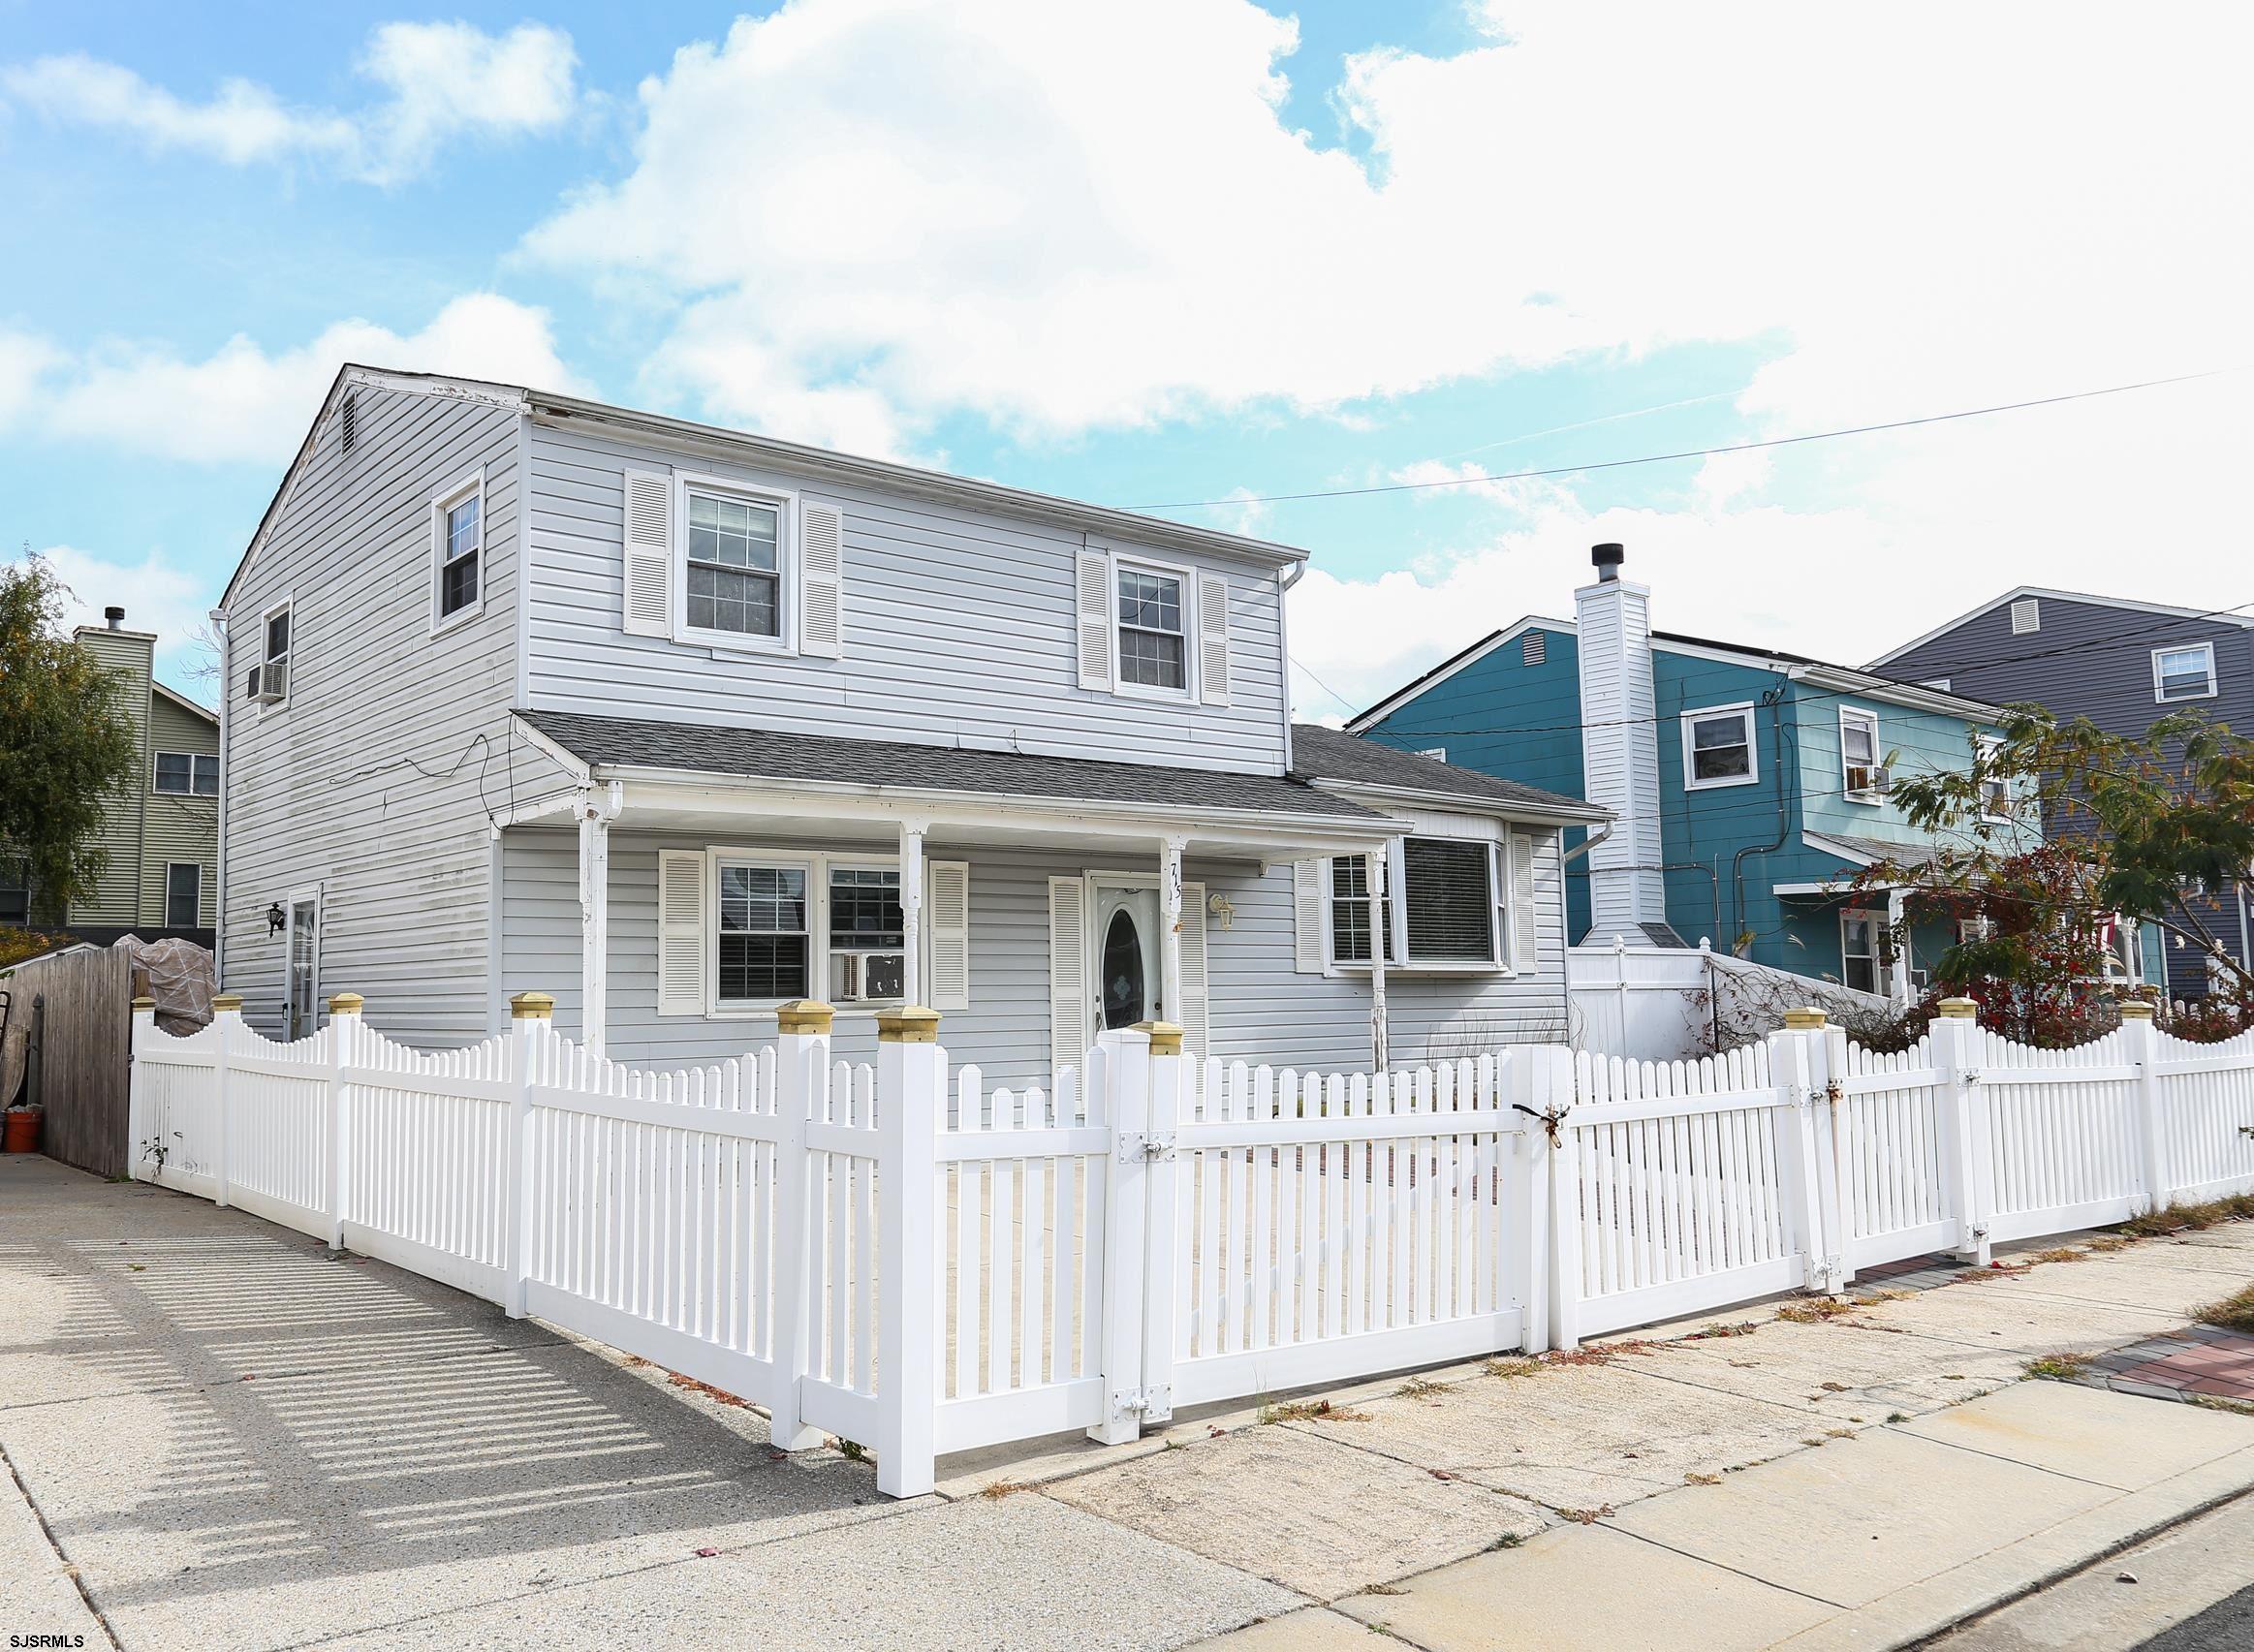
(1898, 938)
(596, 811)
(912, 909)
(1169, 927)
(1373, 877)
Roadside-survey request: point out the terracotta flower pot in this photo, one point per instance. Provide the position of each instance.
(22, 1129)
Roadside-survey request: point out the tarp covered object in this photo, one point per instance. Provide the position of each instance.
(179, 978)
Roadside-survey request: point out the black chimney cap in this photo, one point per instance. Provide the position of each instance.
(1608, 559)
(114, 615)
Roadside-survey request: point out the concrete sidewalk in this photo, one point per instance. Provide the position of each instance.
(233, 1440)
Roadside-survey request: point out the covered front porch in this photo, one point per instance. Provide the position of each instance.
(689, 905)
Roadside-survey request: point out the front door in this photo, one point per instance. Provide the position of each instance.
(304, 968)
(1127, 972)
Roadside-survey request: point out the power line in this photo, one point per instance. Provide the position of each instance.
(1687, 452)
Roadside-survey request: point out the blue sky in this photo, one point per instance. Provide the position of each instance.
(1205, 251)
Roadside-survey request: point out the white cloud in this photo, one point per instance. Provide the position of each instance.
(444, 79)
(244, 404)
(156, 596)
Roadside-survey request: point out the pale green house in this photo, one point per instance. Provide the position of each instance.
(162, 832)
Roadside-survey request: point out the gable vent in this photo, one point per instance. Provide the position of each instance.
(348, 418)
(2026, 616)
(1536, 647)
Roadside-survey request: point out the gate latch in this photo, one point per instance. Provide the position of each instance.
(1146, 1149)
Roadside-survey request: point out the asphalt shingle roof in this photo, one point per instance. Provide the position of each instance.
(1332, 754)
(764, 755)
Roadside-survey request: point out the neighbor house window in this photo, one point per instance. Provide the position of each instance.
(735, 581)
(183, 894)
(2184, 673)
(188, 774)
(766, 946)
(1350, 909)
(1153, 646)
(459, 528)
(1861, 952)
(1995, 790)
(1717, 747)
(15, 895)
(1859, 755)
(867, 935)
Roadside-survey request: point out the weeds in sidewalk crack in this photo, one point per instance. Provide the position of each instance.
(2058, 1367)
(1512, 1367)
(2234, 1312)
(1422, 1388)
(1310, 1410)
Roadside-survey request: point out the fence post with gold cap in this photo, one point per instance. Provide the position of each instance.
(2141, 1040)
(1793, 1072)
(911, 1103)
(344, 1027)
(530, 1019)
(801, 1065)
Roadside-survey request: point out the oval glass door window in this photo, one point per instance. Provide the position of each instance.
(1123, 986)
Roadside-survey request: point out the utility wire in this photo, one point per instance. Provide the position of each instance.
(1687, 452)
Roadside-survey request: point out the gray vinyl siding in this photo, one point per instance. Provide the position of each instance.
(179, 828)
(376, 781)
(1260, 1008)
(2094, 660)
(958, 628)
(116, 898)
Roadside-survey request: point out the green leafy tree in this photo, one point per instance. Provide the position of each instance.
(65, 750)
(2140, 829)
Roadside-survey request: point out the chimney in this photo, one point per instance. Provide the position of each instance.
(115, 616)
(1620, 748)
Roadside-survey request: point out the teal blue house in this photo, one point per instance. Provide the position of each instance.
(1748, 786)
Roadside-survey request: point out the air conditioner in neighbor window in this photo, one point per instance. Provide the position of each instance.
(1864, 779)
(861, 977)
(271, 683)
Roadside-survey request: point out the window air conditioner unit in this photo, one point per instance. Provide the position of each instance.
(271, 683)
(866, 977)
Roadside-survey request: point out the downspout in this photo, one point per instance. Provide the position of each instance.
(218, 618)
(1775, 699)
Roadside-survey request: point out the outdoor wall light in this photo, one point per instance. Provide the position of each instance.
(276, 919)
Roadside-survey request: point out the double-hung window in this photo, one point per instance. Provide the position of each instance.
(1717, 747)
(766, 944)
(869, 935)
(1350, 907)
(187, 774)
(457, 543)
(733, 565)
(1995, 790)
(269, 678)
(183, 894)
(1862, 950)
(15, 895)
(1859, 755)
(2184, 673)
(1153, 641)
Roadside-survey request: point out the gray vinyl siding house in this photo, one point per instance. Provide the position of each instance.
(2121, 664)
(730, 722)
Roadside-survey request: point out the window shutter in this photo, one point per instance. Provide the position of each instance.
(1092, 584)
(680, 932)
(650, 553)
(1525, 921)
(1068, 974)
(947, 914)
(822, 581)
(1307, 880)
(1192, 1016)
(1212, 640)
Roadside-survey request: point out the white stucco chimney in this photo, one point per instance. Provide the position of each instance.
(1620, 748)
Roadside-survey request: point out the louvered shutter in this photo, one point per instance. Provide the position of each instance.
(1092, 608)
(680, 932)
(1307, 948)
(1068, 974)
(947, 915)
(1525, 919)
(1192, 1014)
(822, 581)
(650, 553)
(1212, 640)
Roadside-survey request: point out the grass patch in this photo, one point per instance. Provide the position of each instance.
(1422, 1388)
(2111, 1242)
(2234, 1312)
(1817, 1310)
(1696, 1479)
(2190, 1218)
(1310, 1410)
(1897, 1416)
(2221, 1402)
(1586, 1517)
(1742, 1327)
(851, 1450)
(2063, 1253)
(994, 1490)
(1512, 1367)
(2058, 1367)
(1994, 1271)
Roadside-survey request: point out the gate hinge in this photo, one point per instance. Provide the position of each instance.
(1151, 1405)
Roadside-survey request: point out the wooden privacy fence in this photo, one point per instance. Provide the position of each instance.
(1156, 1231)
(77, 1007)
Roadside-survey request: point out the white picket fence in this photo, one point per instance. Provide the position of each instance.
(1157, 1231)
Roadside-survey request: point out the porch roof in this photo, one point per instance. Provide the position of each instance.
(1333, 757)
(615, 746)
